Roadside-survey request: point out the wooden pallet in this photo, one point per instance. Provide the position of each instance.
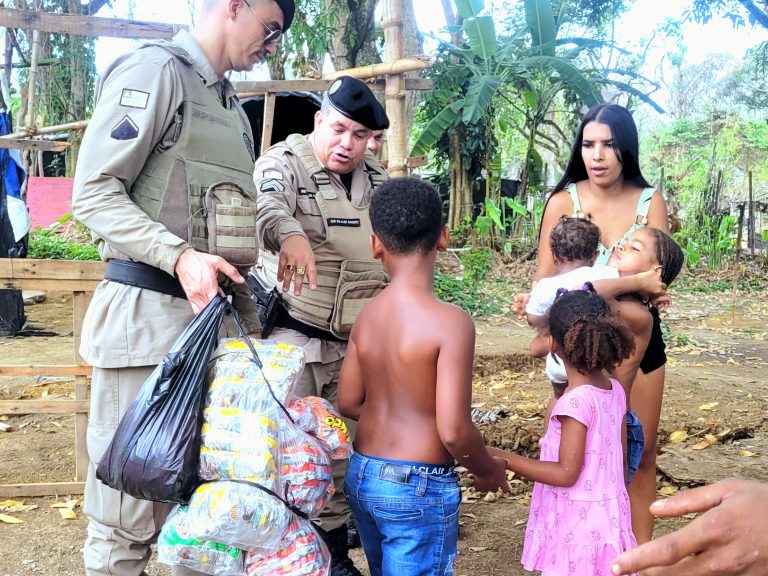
(80, 278)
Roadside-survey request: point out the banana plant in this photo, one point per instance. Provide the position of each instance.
(529, 51)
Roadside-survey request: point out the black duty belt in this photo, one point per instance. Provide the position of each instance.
(285, 320)
(143, 276)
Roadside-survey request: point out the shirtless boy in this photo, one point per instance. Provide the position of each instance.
(407, 379)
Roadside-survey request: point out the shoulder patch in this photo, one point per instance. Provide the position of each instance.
(272, 185)
(134, 99)
(126, 129)
(274, 174)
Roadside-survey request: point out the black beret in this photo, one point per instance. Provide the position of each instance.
(289, 8)
(354, 99)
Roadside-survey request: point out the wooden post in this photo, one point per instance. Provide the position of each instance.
(268, 122)
(739, 236)
(397, 140)
(751, 227)
(31, 104)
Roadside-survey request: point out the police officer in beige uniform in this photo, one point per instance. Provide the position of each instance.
(312, 220)
(168, 148)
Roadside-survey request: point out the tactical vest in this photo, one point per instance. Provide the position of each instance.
(347, 276)
(202, 188)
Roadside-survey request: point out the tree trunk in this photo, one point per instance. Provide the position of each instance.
(460, 198)
(354, 45)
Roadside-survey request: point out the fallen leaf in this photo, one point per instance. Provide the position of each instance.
(470, 515)
(701, 445)
(10, 519)
(520, 522)
(667, 490)
(747, 453)
(678, 436)
(11, 503)
(67, 513)
(478, 548)
(709, 406)
(478, 404)
(711, 438)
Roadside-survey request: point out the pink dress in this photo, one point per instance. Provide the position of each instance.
(581, 529)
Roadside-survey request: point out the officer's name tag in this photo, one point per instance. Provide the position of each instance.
(347, 222)
(134, 98)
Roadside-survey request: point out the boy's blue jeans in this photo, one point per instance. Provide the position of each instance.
(408, 519)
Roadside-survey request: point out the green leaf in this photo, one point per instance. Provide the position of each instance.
(494, 213)
(479, 96)
(530, 99)
(515, 205)
(586, 90)
(541, 22)
(469, 8)
(481, 35)
(439, 125)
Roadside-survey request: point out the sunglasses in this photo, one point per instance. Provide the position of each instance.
(273, 35)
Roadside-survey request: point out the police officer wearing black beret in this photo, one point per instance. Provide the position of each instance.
(312, 222)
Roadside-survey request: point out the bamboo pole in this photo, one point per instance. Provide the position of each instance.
(31, 104)
(751, 227)
(397, 66)
(35, 131)
(394, 93)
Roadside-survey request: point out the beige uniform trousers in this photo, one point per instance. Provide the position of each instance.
(120, 528)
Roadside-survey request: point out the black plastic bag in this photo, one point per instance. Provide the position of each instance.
(155, 451)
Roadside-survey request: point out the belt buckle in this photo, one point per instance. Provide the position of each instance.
(395, 473)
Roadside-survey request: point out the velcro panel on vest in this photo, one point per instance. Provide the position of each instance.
(230, 217)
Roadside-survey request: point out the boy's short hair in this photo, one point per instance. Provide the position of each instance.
(668, 254)
(574, 239)
(407, 215)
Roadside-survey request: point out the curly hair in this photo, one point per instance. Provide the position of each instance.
(668, 254)
(407, 215)
(574, 239)
(587, 336)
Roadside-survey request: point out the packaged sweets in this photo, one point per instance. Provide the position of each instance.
(176, 547)
(302, 553)
(306, 477)
(317, 417)
(237, 514)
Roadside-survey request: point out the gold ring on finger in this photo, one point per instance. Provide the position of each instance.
(290, 267)
(300, 270)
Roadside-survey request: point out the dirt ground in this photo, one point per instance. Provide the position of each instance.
(715, 401)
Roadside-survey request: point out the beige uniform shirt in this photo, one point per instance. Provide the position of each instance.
(125, 325)
(286, 207)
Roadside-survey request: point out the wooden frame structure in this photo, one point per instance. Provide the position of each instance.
(81, 278)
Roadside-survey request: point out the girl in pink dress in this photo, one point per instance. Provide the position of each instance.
(579, 519)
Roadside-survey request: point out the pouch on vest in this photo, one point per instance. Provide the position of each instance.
(231, 224)
(359, 282)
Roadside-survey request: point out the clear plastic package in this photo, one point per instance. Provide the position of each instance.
(237, 514)
(306, 476)
(317, 417)
(176, 547)
(302, 553)
(239, 433)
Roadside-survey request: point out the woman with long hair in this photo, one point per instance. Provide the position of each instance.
(603, 182)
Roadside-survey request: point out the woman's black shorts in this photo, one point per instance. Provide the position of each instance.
(655, 356)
